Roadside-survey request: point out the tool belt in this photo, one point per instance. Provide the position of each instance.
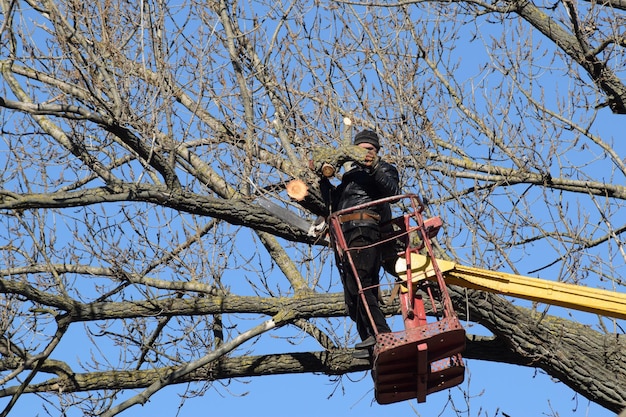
(358, 216)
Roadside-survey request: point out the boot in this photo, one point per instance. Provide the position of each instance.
(361, 354)
(367, 343)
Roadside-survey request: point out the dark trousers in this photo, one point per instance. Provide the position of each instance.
(367, 262)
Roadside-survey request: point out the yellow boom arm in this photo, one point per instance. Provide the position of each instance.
(593, 300)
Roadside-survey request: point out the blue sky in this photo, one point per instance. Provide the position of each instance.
(493, 389)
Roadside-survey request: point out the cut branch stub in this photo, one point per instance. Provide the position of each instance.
(297, 189)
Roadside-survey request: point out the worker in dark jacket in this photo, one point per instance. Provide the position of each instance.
(362, 183)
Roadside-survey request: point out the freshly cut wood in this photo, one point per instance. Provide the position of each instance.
(328, 170)
(297, 189)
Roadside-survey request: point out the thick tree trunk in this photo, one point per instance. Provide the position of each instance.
(591, 363)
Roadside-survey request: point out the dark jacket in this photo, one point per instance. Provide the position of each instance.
(360, 185)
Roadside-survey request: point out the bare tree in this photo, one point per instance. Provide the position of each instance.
(146, 147)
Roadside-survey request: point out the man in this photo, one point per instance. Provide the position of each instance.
(362, 183)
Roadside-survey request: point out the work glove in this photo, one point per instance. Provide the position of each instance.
(371, 161)
(317, 227)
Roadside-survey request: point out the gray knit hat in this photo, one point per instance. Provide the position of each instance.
(367, 136)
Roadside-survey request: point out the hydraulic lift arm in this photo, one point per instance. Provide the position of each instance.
(578, 297)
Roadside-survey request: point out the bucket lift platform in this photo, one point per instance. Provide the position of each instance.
(426, 356)
(417, 362)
